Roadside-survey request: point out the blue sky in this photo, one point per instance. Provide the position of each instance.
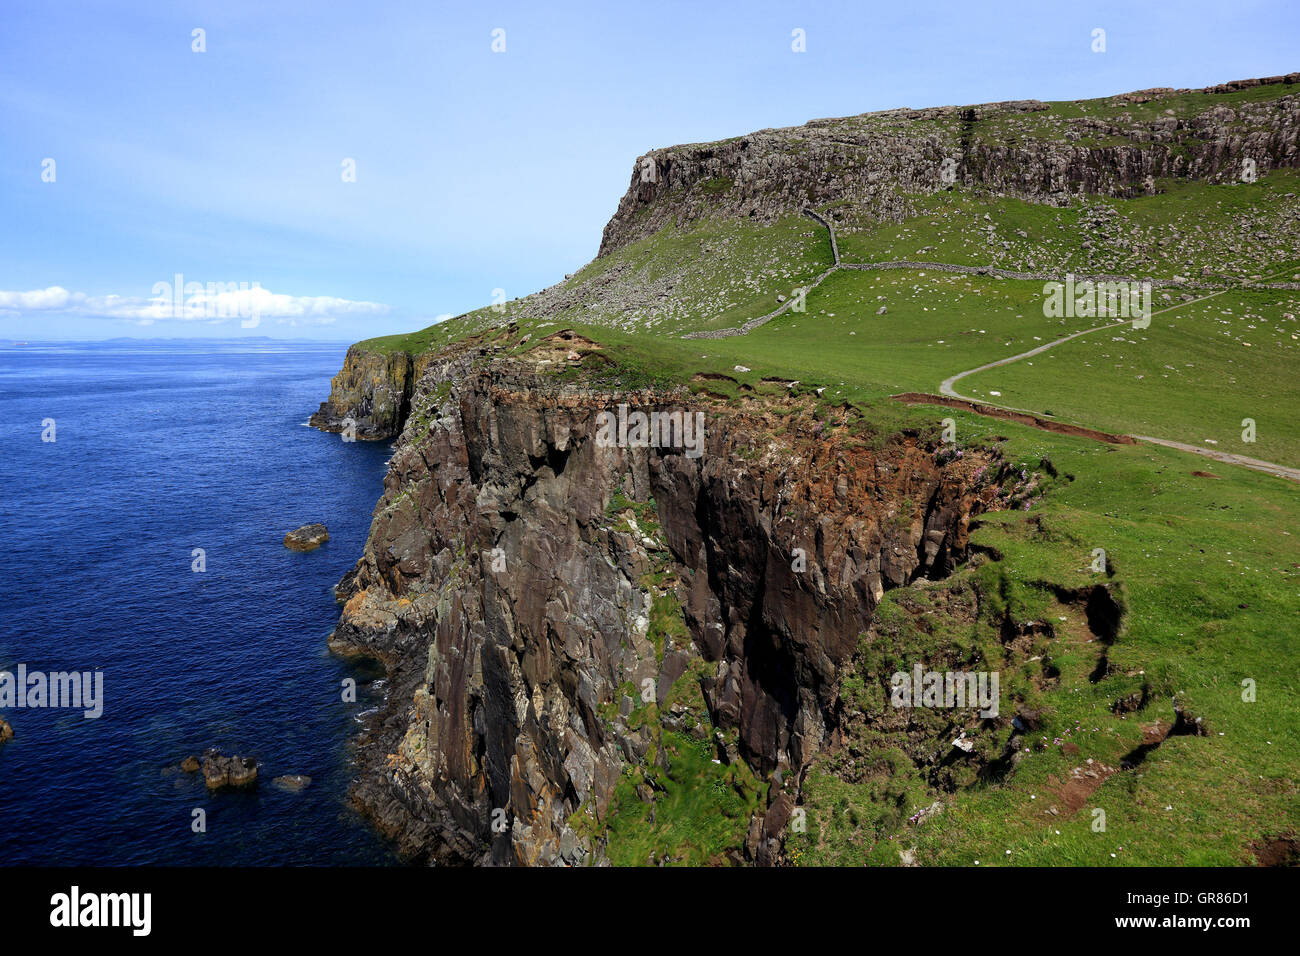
(475, 170)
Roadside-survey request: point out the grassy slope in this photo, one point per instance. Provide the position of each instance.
(1209, 569)
(1211, 578)
(1195, 374)
(1184, 228)
(709, 276)
(1208, 566)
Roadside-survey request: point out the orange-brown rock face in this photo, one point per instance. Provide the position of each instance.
(512, 610)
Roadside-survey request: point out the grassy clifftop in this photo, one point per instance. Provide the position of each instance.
(714, 238)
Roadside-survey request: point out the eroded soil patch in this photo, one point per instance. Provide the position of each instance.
(1023, 418)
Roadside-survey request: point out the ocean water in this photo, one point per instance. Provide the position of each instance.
(159, 450)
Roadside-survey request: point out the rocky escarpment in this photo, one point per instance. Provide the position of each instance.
(549, 608)
(1021, 148)
(371, 395)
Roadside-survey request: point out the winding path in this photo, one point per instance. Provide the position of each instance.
(946, 387)
(1272, 468)
(837, 264)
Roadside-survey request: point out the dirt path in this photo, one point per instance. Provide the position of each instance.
(1065, 428)
(951, 397)
(1014, 415)
(1268, 467)
(946, 386)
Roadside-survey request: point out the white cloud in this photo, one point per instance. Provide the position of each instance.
(54, 297)
(213, 302)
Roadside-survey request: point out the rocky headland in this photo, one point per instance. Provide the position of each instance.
(564, 621)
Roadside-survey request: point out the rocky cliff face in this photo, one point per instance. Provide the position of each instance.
(372, 392)
(1021, 148)
(547, 607)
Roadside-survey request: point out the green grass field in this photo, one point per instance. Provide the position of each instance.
(1228, 231)
(1193, 376)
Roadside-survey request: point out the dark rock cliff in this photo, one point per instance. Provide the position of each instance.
(511, 589)
(1015, 148)
(372, 392)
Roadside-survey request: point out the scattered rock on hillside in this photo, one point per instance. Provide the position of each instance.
(1028, 718)
(307, 538)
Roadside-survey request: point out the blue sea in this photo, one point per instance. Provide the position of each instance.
(161, 449)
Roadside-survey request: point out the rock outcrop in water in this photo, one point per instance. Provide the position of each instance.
(307, 538)
(518, 575)
(220, 771)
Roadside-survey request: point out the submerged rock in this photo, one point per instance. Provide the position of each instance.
(307, 538)
(221, 771)
(190, 764)
(293, 782)
(6, 732)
